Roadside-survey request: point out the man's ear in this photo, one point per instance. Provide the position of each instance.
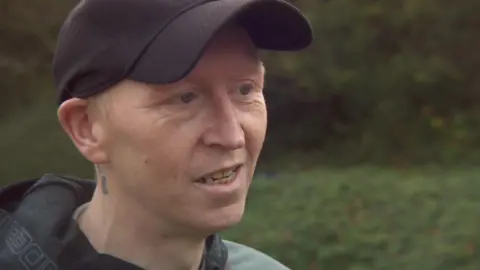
(86, 133)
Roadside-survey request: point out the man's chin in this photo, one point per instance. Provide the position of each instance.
(227, 224)
(223, 220)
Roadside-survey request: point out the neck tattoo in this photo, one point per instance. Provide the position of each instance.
(103, 183)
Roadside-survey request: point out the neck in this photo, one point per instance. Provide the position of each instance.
(124, 230)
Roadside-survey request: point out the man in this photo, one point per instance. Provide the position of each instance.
(165, 98)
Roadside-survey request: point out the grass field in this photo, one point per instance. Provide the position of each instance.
(367, 218)
(322, 218)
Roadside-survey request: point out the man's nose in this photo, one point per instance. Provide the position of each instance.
(224, 128)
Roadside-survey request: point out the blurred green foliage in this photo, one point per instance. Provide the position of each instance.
(388, 82)
(366, 218)
(28, 33)
(391, 82)
(32, 143)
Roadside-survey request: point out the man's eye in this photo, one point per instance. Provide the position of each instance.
(187, 97)
(245, 89)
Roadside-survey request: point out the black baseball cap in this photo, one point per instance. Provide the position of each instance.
(160, 41)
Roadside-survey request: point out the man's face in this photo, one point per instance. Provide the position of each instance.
(164, 142)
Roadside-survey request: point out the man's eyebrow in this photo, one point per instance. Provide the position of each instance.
(167, 88)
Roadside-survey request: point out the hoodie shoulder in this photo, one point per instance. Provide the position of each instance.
(241, 257)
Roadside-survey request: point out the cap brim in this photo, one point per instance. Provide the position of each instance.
(272, 25)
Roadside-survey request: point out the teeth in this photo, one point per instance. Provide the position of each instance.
(227, 173)
(219, 177)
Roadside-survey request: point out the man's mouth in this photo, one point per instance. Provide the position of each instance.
(220, 177)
